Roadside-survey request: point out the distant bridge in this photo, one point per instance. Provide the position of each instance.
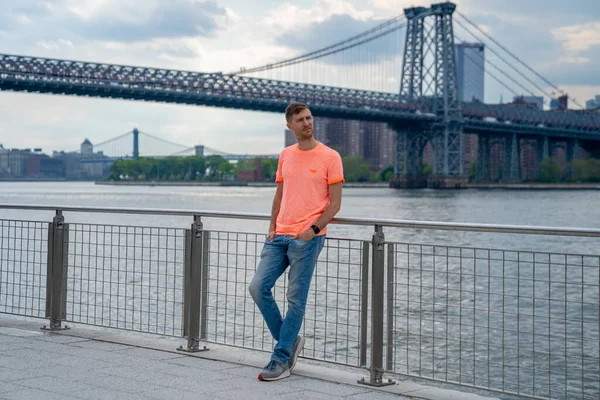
(134, 144)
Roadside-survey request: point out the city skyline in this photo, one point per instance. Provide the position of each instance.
(557, 40)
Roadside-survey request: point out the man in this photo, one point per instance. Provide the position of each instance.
(309, 194)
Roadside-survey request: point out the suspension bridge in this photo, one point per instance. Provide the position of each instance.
(135, 143)
(402, 72)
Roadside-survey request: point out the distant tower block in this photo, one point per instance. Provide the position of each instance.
(136, 143)
(87, 148)
(199, 150)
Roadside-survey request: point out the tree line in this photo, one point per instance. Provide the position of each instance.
(586, 170)
(216, 168)
(356, 169)
(550, 171)
(192, 168)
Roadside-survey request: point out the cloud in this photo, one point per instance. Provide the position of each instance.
(173, 19)
(333, 30)
(573, 60)
(303, 19)
(548, 12)
(54, 44)
(327, 23)
(232, 15)
(164, 48)
(398, 6)
(577, 38)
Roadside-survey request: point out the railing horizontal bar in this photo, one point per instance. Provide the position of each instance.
(429, 225)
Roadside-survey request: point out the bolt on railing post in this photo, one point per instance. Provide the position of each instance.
(57, 270)
(377, 310)
(193, 286)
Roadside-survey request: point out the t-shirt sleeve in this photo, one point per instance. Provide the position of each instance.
(335, 169)
(279, 174)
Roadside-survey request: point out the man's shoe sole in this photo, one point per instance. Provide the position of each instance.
(285, 374)
(299, 350)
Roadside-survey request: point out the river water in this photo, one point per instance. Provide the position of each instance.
(456, 294)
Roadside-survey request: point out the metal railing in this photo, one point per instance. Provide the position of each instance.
(512, 321)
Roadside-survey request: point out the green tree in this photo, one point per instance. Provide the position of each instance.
(117, 169)
(212, 166)
(427, 169)
(473, 171)
(386, 174)
(269, 167)
(500, 172)
(225, 169)
(356, 169)
(587, 170)
(197, 167)
(145, 167)
(550, 171)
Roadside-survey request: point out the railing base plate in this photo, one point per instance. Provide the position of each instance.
(55, 328)
(368, 382)
(192, 350)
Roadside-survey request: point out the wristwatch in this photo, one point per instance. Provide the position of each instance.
(316, 229)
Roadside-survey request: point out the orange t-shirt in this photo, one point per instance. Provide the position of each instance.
(306, 176)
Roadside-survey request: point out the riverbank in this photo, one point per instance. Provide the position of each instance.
(535, 186)
(481, 186)
(228, 183)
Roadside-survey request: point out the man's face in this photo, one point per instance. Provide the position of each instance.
(302, 124)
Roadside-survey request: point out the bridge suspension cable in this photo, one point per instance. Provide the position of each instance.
(187, 152)
(491, 49)
(182, 146)
(493, 76)
(511, 54)
(511, 65)
(367, 61)
(332, 49)
(111, 140)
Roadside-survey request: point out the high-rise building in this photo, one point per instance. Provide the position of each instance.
(470, 69)
(4, 170)
(379, 144)
(345, 136)
(535, 101)
(289, 138)
(373, 141)
(87, 148)
(561, 103)
(593, 103)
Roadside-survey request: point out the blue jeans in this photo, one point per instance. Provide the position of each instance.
(301, 256)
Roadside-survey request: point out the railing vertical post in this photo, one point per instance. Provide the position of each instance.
(204, 284)
(364, 304)
(193, 286)
(377, 310)
(390, 307)
(57, 270)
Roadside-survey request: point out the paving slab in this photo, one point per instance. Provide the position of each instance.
(84, 363)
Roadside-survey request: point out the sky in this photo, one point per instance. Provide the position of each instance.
(559, 39)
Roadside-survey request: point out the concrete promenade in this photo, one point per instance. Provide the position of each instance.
(85, 363)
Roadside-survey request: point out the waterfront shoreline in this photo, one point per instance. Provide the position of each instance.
(227, 184)
(383, 185)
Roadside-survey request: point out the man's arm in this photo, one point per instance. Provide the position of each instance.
(335, 203)
(275, 210)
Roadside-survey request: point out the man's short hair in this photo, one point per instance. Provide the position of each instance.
(293, 109)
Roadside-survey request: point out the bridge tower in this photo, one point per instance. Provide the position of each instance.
(429, 78)
(136, 144)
